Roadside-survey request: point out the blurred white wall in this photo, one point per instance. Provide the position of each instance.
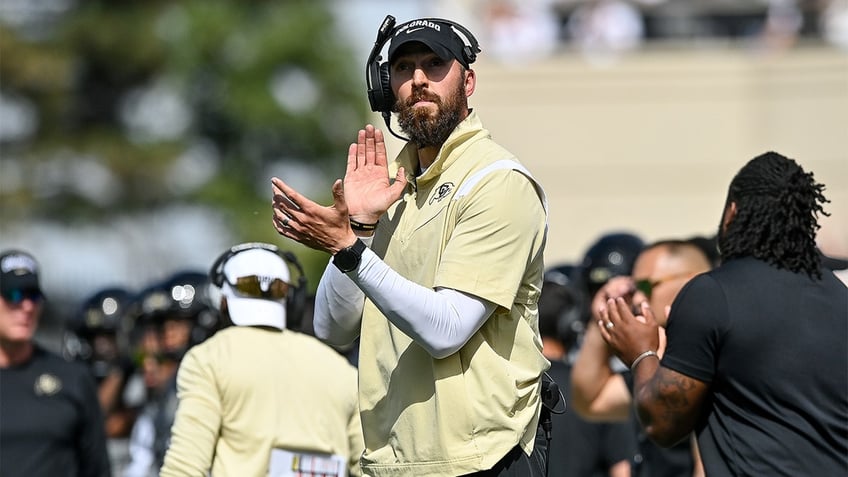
(650, 143)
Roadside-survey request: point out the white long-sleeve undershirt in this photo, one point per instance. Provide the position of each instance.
(440, 320)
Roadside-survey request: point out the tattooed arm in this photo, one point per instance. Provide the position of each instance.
(669, 404)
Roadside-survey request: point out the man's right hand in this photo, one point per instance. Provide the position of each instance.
(311, 224)
(367, 190)
(624, 287)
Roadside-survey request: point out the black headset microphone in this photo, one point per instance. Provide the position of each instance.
(380, 94)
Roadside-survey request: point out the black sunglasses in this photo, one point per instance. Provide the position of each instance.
(251, 287)
(17, 296)
(647, 286)
(140, 356)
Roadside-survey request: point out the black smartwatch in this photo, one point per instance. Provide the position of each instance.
(348, 258)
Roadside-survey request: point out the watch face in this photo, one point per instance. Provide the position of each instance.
(347, 259)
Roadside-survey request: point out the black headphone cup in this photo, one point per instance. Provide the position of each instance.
(296, 305)
(296, 300)
(387, 97)
(380, 94)
(374, 86)
(216, 274)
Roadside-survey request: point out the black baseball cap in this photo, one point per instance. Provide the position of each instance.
(18, 272)
(438, 35)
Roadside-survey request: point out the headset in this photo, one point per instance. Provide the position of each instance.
(296, 298)
(377, 77)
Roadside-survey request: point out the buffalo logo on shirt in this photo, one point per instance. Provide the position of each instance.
(47, 385)
(441, 192)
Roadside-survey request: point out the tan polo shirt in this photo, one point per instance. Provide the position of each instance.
(460, 414)
(246, 391)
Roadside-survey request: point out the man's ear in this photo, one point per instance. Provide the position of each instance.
(470, 82)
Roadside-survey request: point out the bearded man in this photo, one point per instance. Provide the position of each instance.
(437, 272)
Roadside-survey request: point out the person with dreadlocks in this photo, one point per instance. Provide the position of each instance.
(756, 361)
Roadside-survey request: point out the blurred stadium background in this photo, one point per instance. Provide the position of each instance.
(139, 138)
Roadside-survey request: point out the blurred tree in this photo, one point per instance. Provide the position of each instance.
(116, 107)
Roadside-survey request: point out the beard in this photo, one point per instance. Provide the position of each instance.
(425, 128)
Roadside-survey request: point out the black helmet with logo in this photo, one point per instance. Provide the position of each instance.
(190, 296)
(98, 333)
(612, 255)
(181, 297)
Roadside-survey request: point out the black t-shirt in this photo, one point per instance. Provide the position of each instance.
(50, 420)
(773, 347)
(581, 448)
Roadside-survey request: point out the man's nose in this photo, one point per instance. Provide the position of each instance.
(29, 303)
(419, 77)
(636, 303)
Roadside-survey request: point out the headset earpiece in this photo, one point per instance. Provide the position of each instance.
(377, 74)
(380, 89)
(385, 83)
(296, 298)
(216, 273)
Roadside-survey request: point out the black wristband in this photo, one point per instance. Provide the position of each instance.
(362, 227)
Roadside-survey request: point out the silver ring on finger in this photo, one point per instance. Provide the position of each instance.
(286, 222)
(609, 325)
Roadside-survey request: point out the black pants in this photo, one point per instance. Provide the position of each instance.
(518, 464)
